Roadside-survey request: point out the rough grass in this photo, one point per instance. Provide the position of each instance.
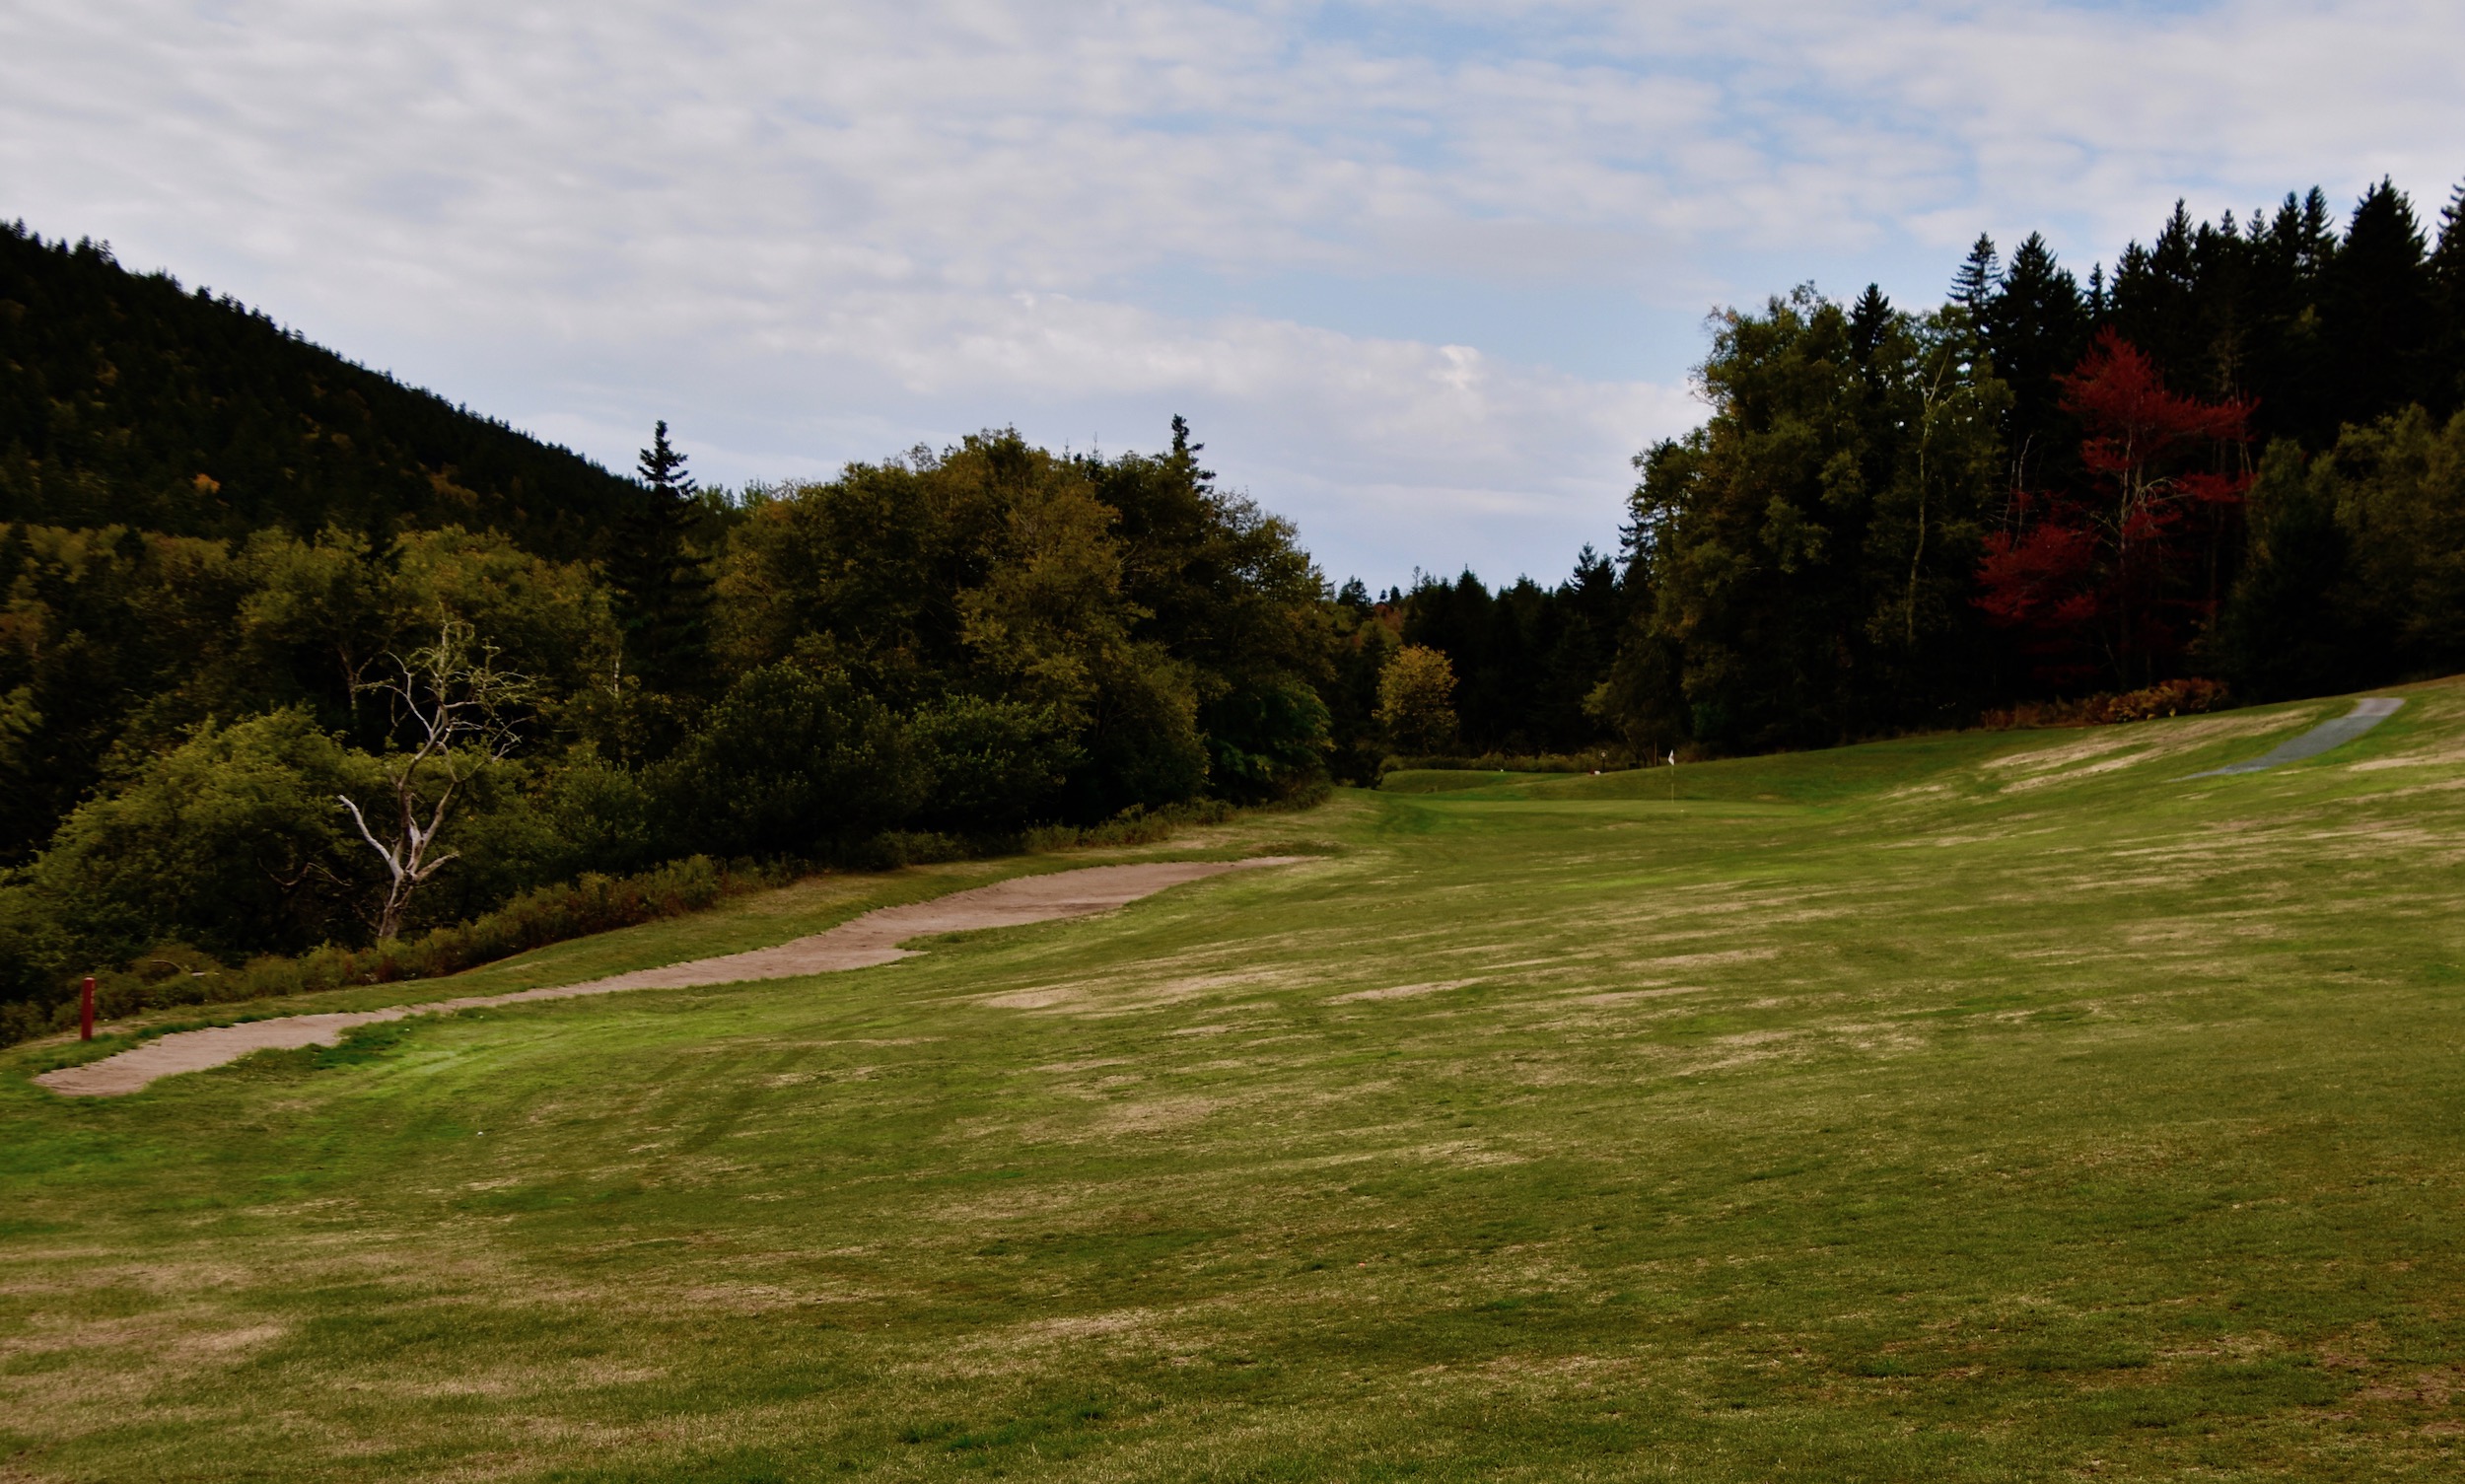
(1850, 1115)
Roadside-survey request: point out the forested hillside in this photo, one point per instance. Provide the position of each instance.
(125, 400)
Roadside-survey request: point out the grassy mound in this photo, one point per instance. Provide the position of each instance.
(1986, 1106)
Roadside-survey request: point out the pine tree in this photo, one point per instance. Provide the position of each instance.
(2376, 309)
(1869, 318)
(2035, 329)
(2447, 261)
(2158, 303)
(1980, 274)
(2448, 278)
(2318, 234)
(663, 586)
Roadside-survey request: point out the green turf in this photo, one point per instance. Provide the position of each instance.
(1988, 1106)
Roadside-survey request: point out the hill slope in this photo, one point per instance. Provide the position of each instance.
(1982, 1107)
(125, 400)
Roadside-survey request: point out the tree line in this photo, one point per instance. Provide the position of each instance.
(2232, 466)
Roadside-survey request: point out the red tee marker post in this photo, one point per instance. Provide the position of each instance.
(85, 1011)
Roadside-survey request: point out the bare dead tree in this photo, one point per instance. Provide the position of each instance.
(453, 711)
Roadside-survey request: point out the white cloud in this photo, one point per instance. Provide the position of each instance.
(812, 232)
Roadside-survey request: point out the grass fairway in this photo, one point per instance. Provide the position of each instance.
(1987, 1106)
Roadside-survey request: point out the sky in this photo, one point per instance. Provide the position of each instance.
(1423, 276)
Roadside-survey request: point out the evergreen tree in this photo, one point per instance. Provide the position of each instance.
(2035, 329)
(663, 584)
(1870, 321)
(1979, 274)
(2376, 309)
(2447, 279)
(2158, 303)
(2314, 235)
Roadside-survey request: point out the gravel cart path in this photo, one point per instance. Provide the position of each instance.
(2366, 714)
(872, 939)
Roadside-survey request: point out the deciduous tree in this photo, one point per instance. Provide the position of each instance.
(2109, 578)
(454, 715)
(1416, 700)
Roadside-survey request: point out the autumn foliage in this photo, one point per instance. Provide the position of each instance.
(2109, 577)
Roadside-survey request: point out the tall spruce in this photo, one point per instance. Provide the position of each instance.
(1980, 274)
(1869, 320)
(2376, 309)
(2447, 281)
(2035, 329)
(663, 584)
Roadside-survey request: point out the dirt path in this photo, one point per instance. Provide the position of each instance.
(872, 939)
(2366, 714)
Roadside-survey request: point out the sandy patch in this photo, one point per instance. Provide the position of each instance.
(1159, 1116)
(1031, 999)
(1626, 996)
(2138, 742)
(1691, 960)
(1081, 1325)
(1132, 991)
(2444, 758)
(870, 939)
(1399, 991)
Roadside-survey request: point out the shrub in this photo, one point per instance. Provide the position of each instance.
(992, 764)
(1598, 761)
(790, 760)
(2186, 698)
(177, 975)
(231, 840)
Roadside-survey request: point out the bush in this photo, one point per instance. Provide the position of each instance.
(2187, 697)
(1135, 825)
(174, 973)
(790, 762)
(1266, 739)
(231, 840)
(1598, 761)
(177, 975)
(992, 764)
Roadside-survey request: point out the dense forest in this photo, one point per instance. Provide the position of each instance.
(292, 655)
(2236, 458)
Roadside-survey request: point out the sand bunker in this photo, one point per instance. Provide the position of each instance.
(872, 939)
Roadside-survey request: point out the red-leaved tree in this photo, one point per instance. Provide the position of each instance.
(2110, 578)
